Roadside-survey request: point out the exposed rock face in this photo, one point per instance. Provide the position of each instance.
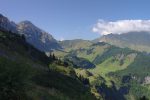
(34, 35)
(6, 24)
(147, 80)
(37, 37)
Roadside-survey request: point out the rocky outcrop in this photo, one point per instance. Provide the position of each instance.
(147, 80)
(37, 37)
(34, 35)
(6, 24)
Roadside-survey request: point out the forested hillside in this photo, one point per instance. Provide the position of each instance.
(28, 74)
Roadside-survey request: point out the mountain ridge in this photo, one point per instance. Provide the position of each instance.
(26, 73)
(139, 41)
(6, 24)
(81, 68)
(34, 35)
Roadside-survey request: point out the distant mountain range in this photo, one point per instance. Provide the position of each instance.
(34, 35)
(117, 73)
(139, 41)
(75, 69)
(44, 41)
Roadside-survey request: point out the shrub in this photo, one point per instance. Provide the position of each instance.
(13, 80)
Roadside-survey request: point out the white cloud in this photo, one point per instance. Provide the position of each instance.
(121, 26)
(62, 39)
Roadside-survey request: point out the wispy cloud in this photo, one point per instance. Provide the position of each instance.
(121, 26)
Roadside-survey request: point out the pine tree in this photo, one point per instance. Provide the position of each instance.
(53, 56)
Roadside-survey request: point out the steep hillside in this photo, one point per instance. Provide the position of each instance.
(135, 77)
(34, 35)
(6, 24)
(109, 68)
(117, 73)
(37, 37)
(28, 74)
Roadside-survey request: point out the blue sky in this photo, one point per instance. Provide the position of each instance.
(71, 19)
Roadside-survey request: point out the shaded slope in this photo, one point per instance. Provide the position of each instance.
(37, 37)
(43, 83)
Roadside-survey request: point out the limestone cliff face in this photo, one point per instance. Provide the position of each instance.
(34, 35)
(6, 24)
(37, 37)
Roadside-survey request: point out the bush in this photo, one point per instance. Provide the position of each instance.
(13, 80)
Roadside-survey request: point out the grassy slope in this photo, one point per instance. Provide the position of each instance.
(45, 84)
(69, 45)
(92, 51)
(121, 62)
(131, 40)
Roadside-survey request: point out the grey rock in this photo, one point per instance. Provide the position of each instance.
(34, 35)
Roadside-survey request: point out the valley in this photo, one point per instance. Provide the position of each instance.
(35, 66)
(114, 67)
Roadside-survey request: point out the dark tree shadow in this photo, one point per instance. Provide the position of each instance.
(111, 93)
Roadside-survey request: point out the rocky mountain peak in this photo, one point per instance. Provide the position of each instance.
(34, 35)
(37, 37)
(26, 22)
(6, 24)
